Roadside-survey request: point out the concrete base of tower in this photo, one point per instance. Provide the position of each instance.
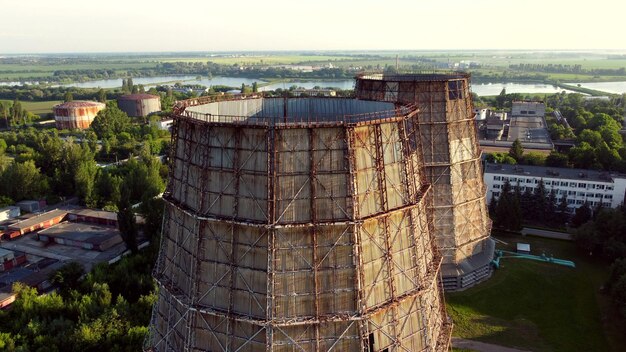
(469, 272)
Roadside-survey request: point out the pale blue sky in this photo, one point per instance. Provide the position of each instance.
(33, 26)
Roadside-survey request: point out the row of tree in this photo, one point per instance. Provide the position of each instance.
(534, 205)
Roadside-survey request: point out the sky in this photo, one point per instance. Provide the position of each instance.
(57, 26)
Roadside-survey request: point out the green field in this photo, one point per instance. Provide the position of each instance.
(25, 71)
(492, 63)
(539, 306)
(40, 108)
(262, 59)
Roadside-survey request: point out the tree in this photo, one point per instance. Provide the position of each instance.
(551, 204)
(501, 99)
(255, 87)
(562, 211)
(516, 151)
(5, 113)
(152, 211)
(110, 121)
(534, 158)
(618, 269)
(556, 159)
(583, 156)
(102, 96)
(67, 278)
(493, 205)
(526, 204)
(126, 223)
(23, 181)
(540, 202)
(84, 179)
(68, 97)
(508, 212)
(581, 215)
(587, 239)
(618, 293)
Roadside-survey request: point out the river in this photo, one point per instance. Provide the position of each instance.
(609, 87)
(478, 88)
(152, 81)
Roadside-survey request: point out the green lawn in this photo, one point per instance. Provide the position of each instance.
(40, 108)
(539, 306)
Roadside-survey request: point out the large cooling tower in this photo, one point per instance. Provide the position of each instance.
(297, 225)
(452, 165)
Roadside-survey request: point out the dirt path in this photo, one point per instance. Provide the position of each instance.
(458, 342)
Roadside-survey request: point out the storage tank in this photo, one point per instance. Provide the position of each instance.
(297, 225)
(76, 114)
(452, 164)
(139, 105)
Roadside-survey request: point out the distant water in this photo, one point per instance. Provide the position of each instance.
(478, 88)
(152, 81)
(341, 84)
(495, 88)
(609, 87)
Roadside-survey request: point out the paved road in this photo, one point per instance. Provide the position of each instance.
(547, 234)
(458, 342)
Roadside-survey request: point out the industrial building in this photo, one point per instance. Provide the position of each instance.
(139, 105)
(9, 212)
(452, 164)
(34, 223)
(56, 216)
(528, 108)
(31, 206)
(579, 186)
(76, 114)
(10, 259)
(82, 235)
(304, 224)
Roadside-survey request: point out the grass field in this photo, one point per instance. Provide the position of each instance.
(17, 71)
(539, 306)
(40, 108)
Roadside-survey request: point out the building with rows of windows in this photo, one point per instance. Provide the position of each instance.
(579, 186)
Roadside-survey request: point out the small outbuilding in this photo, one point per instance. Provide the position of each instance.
(523, 248)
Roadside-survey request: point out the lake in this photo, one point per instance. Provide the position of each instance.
(609, 87)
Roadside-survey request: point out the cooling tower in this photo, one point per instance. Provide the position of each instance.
(297, 225)
(452, 165)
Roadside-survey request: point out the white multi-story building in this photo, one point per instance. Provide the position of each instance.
(579, 186)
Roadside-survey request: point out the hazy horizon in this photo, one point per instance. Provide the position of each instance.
(72, 26)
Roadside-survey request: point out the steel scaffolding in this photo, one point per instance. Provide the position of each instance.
(297, 225)
(451, 163)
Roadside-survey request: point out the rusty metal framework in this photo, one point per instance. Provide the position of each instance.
(451, 164)
(305, 232)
